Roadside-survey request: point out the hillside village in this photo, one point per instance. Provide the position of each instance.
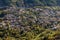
(29, 19)
(27, 23)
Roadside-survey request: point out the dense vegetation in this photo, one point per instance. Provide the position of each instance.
(34, 33)
(30, 3)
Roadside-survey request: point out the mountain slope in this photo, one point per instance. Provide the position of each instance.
(30, 3)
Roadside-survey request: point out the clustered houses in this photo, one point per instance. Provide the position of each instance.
(10, 20)
(28, 17)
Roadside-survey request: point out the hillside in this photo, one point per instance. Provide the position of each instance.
(30, 3)
(30, 23)
(29, 19)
